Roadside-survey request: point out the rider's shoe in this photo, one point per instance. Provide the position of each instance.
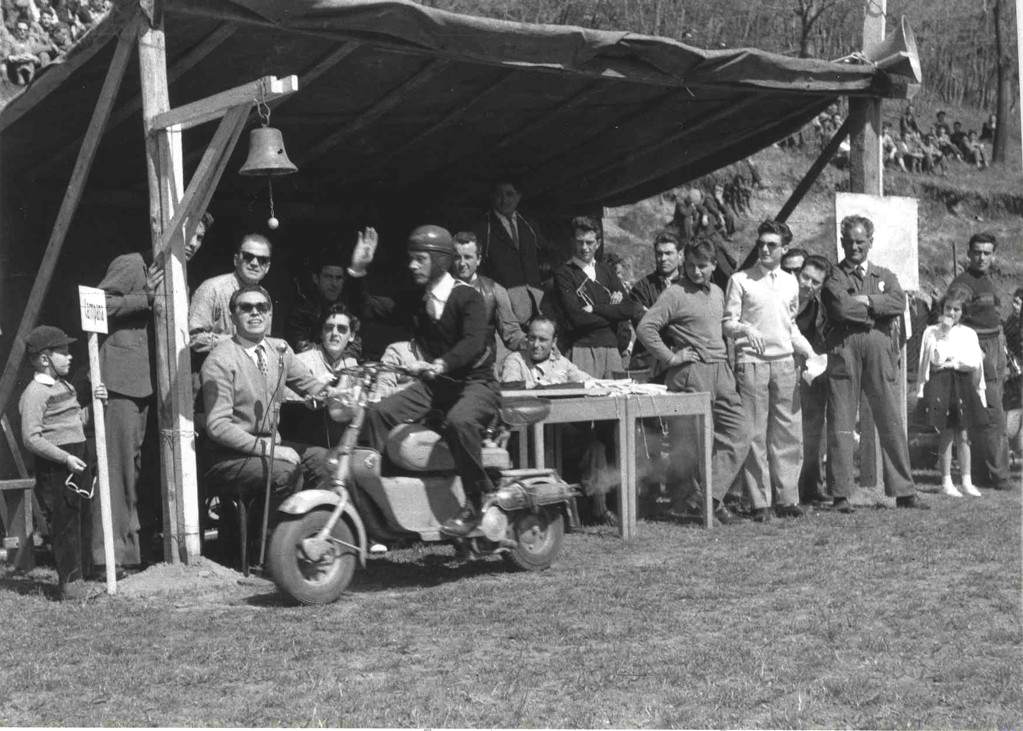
(462, 524)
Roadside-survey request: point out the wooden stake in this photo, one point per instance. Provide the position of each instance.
(866, 175)
(100, 428)
(68, 207)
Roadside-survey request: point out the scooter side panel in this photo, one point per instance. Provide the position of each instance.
(413, 503)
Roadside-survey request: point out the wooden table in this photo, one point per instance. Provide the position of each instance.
(567, 406)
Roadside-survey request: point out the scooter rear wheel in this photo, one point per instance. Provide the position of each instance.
(311, 582)
(539, 536)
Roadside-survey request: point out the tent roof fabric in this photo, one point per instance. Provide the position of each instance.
(400, 98)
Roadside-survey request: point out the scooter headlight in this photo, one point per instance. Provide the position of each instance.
(494, 523)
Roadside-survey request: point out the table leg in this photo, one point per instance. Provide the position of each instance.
(708, 489)
(538, 446)
(627, 473)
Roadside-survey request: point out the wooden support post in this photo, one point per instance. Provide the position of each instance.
(179, 485)
(68, 207)
(866, 175)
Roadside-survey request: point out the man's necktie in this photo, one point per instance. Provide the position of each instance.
(514, 231)
(433, 305)
(261, 360)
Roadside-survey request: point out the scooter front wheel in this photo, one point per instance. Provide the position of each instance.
(539, 537)
(307, 580)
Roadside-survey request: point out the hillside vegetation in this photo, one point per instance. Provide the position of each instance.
(951, 209)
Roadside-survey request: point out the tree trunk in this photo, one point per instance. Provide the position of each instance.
(1004, 62)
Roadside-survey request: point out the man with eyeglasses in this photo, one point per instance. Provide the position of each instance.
(792, 260)
(760, 315)
(243, 381)
(209, 315)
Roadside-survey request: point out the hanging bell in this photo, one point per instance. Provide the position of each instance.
(267, 155)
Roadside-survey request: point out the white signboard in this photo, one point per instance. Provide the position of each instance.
(895, 232)
(93, 303)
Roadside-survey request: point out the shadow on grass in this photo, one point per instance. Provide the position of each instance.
(399, 572)
(28, 585)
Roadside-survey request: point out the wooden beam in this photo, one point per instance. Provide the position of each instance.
(530, 129)
(721, 112)
(12, 446)
(325, 64)
(379, 108)
(815, 170)
(68, 207)
(213, 107)
(479, 98)
(204, 181)
(186, 63)
(494, 89)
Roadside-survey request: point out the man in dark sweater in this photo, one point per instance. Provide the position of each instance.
(667, 270)
(810, 319)
(593, 302)
(982, 313)
(448, 320)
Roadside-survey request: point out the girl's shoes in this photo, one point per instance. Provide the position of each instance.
(969, 489)
(948, 488)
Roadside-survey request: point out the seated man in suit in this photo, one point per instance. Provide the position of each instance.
(243, 380)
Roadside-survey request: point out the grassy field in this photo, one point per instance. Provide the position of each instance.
(887, 618)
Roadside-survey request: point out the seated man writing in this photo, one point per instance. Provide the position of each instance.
(542, 364)
(243, 381)
(448, 320)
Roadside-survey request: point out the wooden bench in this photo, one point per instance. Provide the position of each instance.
(16, 514)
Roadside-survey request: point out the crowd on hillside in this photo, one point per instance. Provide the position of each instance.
(930, 148)
(787, 348)
(916, 148)
(35, 33)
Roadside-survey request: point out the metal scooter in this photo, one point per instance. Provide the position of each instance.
(403, 496)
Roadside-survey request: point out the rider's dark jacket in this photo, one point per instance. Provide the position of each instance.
(462, 337)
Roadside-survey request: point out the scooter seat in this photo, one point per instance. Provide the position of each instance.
(518, 411)
(417, 448)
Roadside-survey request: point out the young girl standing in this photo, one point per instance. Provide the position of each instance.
(950, 384)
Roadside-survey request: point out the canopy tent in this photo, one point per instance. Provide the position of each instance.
(397, 97)
(398, 108)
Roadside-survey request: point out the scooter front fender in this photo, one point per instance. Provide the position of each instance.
(305, 501)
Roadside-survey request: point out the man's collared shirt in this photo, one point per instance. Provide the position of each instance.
(555, 369)
(250, 349)
(509, 225)
(437, 295)
(589, 268)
